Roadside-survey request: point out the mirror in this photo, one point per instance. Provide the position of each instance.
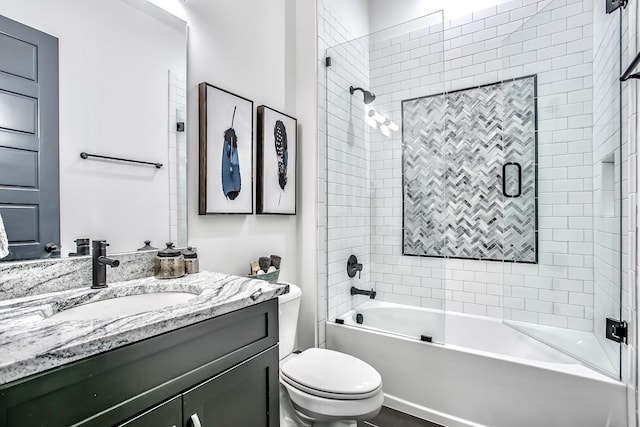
(122, 91)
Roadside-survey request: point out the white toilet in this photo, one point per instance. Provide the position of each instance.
(321, 387)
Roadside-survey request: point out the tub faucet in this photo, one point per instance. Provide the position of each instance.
(356, 291)
(100, 262)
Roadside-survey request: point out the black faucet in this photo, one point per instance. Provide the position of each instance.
(100, 262)
(356, 291)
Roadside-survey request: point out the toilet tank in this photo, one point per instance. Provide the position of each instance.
(288, 307)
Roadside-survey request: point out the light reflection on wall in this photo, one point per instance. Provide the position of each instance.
(379, 121)
(174, 7)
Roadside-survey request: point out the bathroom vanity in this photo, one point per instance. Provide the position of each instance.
(210, 361)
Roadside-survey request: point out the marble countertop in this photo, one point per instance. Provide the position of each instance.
(32, 341)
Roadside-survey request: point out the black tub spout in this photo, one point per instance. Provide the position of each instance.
(356, 291)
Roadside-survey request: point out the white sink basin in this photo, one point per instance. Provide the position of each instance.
(123, 306)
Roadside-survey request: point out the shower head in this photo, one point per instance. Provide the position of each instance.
(368, 96)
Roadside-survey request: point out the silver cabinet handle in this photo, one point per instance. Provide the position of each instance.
(195, 421)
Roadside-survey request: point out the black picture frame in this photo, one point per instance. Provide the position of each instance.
(277, 162)
(226, 152)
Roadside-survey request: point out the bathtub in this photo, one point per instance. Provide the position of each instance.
(487, 374)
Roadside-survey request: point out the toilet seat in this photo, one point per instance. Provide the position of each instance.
(332, 375)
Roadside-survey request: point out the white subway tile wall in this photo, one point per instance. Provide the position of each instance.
(577, 130)
(348, 173)
(177, 160)
(606, 138)
(629, 207)
(341, 229)
(513, 40)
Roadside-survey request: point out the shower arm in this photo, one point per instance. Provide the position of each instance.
(367, 96)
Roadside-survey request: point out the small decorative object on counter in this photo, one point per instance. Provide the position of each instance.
(82, 247)
(264, 268)
(147, 246)
(191, 263)
(254, 267)
(169, 263)
(275, 261)
(264, 262)
(269, 277)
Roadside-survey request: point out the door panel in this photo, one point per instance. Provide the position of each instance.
(215, 403)
(18, 168)
(20, 59)
(17, 112)
(22, 86)
(23, 141)
(21, 222)
(29, 193)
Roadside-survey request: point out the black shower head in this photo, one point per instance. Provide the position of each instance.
(368, 96)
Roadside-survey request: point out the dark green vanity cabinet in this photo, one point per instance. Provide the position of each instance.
(219, 372)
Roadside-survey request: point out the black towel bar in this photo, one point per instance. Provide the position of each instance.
(87, 155)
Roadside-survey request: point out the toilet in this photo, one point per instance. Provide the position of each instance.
(319, 387)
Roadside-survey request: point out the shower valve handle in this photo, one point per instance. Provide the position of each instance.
(353, 266)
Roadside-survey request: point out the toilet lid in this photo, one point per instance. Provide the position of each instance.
(333, 373)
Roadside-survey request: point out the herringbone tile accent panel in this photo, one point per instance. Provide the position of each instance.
(454, 149)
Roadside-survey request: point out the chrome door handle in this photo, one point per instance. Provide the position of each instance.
(195, 421)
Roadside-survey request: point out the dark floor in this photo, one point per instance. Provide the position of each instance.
(391, 418)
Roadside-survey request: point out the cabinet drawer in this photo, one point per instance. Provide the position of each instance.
(113, 386)
(167, 414)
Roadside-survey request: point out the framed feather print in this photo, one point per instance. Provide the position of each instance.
(226, 152)
(277, 162)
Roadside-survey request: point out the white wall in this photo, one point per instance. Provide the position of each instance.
(239, 46)
(264, 51)
(113, 101)
(384, 14)
(350, 15)
(306, 109)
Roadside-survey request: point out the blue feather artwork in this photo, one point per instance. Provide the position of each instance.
(231, 180)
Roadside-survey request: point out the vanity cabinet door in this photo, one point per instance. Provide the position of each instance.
(245, 395)
(167, 414)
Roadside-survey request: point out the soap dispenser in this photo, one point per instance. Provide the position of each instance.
(169, 263)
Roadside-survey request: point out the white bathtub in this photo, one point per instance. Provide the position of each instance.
(487, 374)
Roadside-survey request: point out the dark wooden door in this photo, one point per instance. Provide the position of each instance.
(29, 194)
(246, 395)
